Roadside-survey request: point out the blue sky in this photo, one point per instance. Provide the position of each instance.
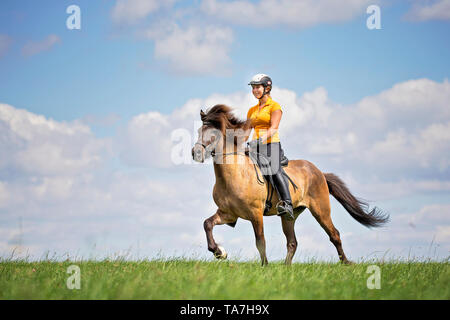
(88, 114)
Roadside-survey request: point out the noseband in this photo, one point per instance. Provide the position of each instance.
(213, 153)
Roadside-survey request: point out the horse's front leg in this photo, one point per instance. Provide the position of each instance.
(258, 227)
(217, 219)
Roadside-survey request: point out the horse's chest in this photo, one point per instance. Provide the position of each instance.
(227, 196)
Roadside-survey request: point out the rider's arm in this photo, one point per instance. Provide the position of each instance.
(248, 126)
(275, 118)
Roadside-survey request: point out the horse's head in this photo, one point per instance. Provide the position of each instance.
(209, 138)
(218, 125)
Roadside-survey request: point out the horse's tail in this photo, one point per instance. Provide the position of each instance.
(357, 208)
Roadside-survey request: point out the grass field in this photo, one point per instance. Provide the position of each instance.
(194, 279)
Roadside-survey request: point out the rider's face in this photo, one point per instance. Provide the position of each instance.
(257, 90)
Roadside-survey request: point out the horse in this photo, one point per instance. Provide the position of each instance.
(239, 193)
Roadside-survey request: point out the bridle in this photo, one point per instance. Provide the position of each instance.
(251, 154)
(205, 146)
(213, 152)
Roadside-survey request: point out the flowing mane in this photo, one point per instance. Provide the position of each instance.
(221, 118)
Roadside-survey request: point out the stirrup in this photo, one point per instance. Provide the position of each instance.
(285, 207)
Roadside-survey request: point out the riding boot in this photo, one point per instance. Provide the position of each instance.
(285, 205)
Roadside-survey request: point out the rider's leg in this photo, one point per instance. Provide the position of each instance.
(284, 206)
(272, 172)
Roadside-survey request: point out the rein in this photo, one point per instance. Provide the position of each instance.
(213, 154)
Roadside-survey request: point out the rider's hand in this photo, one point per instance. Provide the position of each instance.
(254, 143)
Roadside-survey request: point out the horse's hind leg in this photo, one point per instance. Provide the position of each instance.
(289, 232)
(217, 219)
(320, 209)
(258, 227)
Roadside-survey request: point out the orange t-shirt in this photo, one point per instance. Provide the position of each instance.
(261, 119)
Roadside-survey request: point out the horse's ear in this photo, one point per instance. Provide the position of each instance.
(202, 114)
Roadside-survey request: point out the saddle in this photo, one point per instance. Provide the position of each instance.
(264, 161)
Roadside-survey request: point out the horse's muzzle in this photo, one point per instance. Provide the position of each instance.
(197, 154)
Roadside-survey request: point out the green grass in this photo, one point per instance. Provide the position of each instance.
(194, 279)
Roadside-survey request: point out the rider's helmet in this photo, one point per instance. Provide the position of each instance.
(261, 78)
(264, 80)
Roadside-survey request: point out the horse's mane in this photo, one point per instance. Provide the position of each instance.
(221, 118)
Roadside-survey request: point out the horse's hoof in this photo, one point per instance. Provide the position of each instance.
(220, 253)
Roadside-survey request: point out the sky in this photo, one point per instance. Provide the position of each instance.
(90, 118)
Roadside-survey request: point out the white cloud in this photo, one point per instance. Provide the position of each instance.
(422, 234)
(4, 194)
(146, 141)
(183, 47)
(429, 214)
(299, 14)
(193, 49)
(406, 101)
(36, 145)
(31, 48)
(383, 188)
(55, 188)
(424, 224)
(133, 11)
(426, 148)
(436, 10)
(402, 130)
(443, 233)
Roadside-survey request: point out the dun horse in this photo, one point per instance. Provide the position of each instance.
(239, 193)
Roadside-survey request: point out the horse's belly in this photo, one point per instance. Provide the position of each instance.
(236, 199)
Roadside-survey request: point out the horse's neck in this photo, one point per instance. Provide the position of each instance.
(228, 174)
(226, 167)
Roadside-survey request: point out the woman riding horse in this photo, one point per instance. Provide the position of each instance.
(265, 119)
(239, 193)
